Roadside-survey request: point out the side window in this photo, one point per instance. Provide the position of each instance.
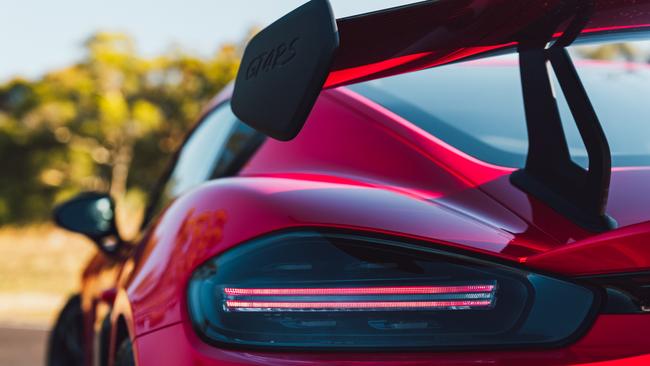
(240, 147)
(220, 146)
(197, 158)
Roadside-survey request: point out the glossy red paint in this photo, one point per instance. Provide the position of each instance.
(614, 340)
(182, 240)
(108, 296)
(622, 250)
(99, 276)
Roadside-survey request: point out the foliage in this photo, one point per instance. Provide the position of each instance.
(107, 123)
(614, 51)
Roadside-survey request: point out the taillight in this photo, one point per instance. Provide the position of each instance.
(450, 297)
(336, 291)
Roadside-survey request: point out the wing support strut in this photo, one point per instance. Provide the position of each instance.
(550, 175)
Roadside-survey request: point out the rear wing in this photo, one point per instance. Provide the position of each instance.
(286, 66)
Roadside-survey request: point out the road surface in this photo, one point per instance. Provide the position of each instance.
(22, 347)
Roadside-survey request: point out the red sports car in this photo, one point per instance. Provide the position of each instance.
(374, 210)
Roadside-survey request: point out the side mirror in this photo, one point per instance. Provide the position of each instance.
(93, 215)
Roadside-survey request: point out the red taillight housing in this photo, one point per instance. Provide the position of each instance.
(311, 290)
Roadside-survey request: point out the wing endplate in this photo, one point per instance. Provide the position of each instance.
(283, 70)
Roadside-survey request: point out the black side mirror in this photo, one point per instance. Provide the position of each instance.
(93, 215)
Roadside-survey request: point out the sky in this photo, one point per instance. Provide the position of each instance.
(40, 35)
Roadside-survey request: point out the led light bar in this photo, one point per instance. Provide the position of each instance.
(357, 290)
(462, 297)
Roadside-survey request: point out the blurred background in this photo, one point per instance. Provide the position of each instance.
(97, 95)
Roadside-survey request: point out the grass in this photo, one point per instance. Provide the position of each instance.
(40, 267)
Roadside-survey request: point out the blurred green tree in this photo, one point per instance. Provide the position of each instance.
(612, 51)
(108, 123)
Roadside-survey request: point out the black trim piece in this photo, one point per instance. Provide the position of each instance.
(550, 175)
(626, 293)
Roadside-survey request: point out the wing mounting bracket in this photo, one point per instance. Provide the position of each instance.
(550, 175)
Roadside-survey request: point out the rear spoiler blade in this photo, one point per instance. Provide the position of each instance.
(426, 34)
(285, 66)
(434, 33)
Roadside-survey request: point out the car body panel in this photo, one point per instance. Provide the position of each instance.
(618, 251)
(396, 155)
(218, 216)
(100, 275)
(614, 340)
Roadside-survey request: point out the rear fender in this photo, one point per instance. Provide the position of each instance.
(623, 250)
(121, 313)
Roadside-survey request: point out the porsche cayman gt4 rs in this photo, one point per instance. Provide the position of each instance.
(439, 183)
